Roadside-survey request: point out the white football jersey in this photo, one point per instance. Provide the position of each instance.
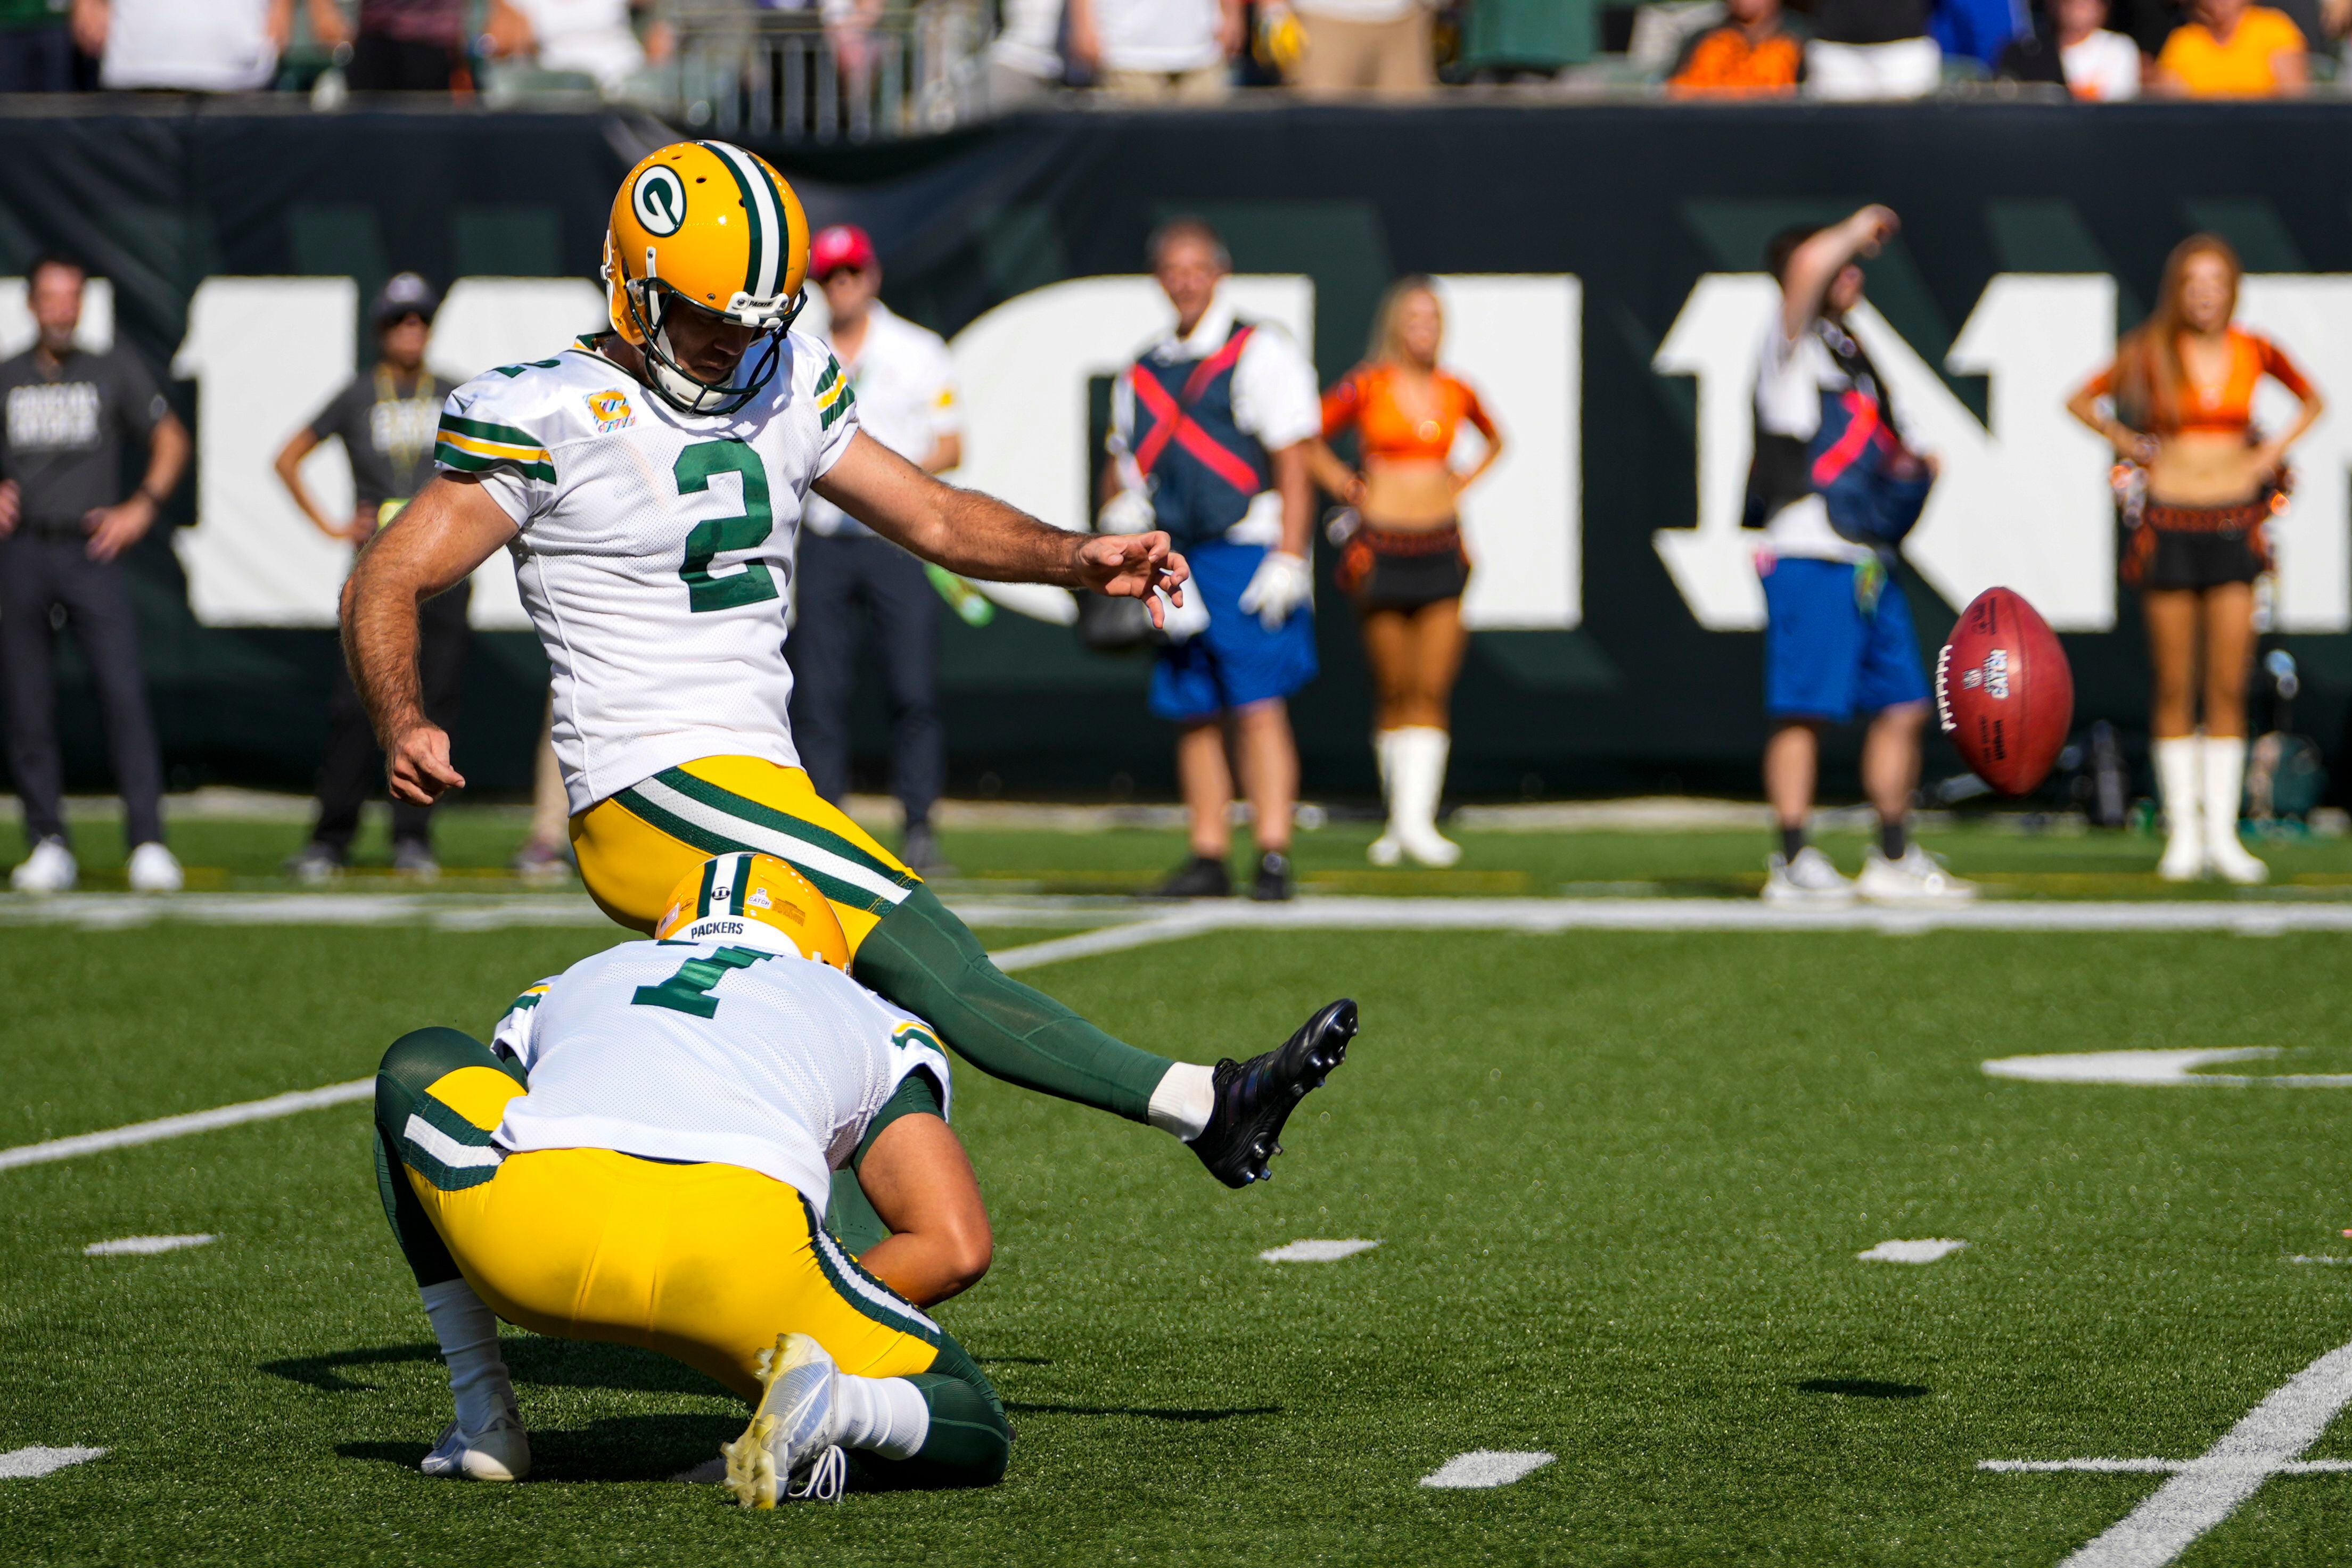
(703, 1052)
(654, 550)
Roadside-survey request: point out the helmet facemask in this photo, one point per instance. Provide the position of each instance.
(649, 302)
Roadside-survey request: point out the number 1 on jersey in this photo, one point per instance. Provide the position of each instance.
(688, 991)
(747, 530)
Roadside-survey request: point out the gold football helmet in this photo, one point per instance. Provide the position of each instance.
(705, 225)
(747, 900)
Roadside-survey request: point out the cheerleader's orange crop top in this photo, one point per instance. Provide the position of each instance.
(2226, 407)
(1366, 401)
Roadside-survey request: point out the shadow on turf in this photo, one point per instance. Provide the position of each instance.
(551, 1363)
(1013, 1409)
(1863, 1388)
(616, 1449)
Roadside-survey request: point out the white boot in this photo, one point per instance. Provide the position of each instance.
(2179, 782)
(2225, 782)
(1416, 780)
(1388, 849)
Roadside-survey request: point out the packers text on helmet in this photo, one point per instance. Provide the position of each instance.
(749, 900)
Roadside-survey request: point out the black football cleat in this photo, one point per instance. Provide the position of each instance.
(1255, 1097)
(1203, 876)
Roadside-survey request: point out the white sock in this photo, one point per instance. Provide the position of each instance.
(882, 1415)
(1416, 776)
(468, 1332)
(1384, 757)
(2224, 764)
(1185, 1099)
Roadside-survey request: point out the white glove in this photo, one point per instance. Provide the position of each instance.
(1280, 585)
(1126, 512)
(1186, 621)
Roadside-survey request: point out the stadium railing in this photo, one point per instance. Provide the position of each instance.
(787, 74)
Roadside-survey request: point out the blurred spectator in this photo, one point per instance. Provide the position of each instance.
(905, 388)
(580, 37)
(37, 49)
(2074, 50)
(386, 418)
(61, 540)
(1024, 62)
(1155, 49)
(1977, 30)
(1753, 52)
(1210, 432)
(219, 45)
(408, 46)
(1872, 48)
(2234, 49)
(1366, 45)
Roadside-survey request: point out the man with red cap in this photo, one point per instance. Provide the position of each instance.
(906, 396)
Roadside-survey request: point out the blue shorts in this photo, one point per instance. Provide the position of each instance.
(1236, 661)
(1828, 657)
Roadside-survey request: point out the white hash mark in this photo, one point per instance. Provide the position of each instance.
(2207, 1489)
(1485, 1468)
(142, 1245)
(1313, 1251)
(25, 1464)
(1910, 1251)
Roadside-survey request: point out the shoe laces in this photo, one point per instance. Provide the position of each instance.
(826, 1477)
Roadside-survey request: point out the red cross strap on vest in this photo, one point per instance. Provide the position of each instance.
(1204, 466)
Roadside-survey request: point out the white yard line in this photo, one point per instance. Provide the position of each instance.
(2205, 1491)
(1313, 1250)
(1483, 1467)
(27, 1464)
(145, 1245)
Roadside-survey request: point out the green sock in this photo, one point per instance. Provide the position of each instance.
(970, 1441)
(925, 960)
(416, 1061)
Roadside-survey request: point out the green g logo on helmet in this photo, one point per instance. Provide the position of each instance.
(659, 201)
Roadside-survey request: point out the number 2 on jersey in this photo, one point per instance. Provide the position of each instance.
(747, 530)
(688, 991)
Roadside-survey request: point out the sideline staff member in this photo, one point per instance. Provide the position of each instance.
(66, 413)
(385, 419)
(905, 388)
(1213, 424)
(1838, 639)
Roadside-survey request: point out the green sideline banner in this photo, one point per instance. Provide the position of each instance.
(1601, 271)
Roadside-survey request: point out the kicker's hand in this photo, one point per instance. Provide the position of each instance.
(416, 767)
(1129, 566)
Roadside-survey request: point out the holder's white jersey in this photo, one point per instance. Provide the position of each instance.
(703, 1052)
(654, 550)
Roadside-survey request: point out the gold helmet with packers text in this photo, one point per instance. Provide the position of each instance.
(747, 900)
(707, 227)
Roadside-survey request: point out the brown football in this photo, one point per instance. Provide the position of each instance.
(2004, 692)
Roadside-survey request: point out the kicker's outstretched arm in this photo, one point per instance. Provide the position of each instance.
(435, 544)
(978, 536)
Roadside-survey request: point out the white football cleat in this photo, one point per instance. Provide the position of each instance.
(2184, 853)
(48, 868)
(1808, 879)
(154, 869)
(1917, 878)
(498, 1452)
(1429, 847)
(787, 1453)
(2229, 859)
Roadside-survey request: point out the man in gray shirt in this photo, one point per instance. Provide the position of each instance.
(386, 418)
(64, 414)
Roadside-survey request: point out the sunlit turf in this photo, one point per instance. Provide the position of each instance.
(477, 842)
(1618, 1182)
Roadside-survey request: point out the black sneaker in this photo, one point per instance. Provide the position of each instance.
(1273, 884)
(1200, 877)
(1255, 1097)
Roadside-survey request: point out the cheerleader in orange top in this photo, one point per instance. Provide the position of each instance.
(2200, 483)
(1404, 566)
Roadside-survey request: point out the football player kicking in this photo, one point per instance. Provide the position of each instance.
(648, 483)
(643, 1158)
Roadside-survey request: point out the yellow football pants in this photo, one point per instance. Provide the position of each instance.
(637, 846)
(705, 1263)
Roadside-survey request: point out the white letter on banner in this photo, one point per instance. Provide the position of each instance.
(266, 354)
(2024, 505)
(485, 322)
(2311, 320)
(1520, 342)
(1024, 368)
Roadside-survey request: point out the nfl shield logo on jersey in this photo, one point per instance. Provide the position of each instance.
(611, 411)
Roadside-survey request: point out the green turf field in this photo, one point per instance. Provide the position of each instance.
(1618, 1182)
